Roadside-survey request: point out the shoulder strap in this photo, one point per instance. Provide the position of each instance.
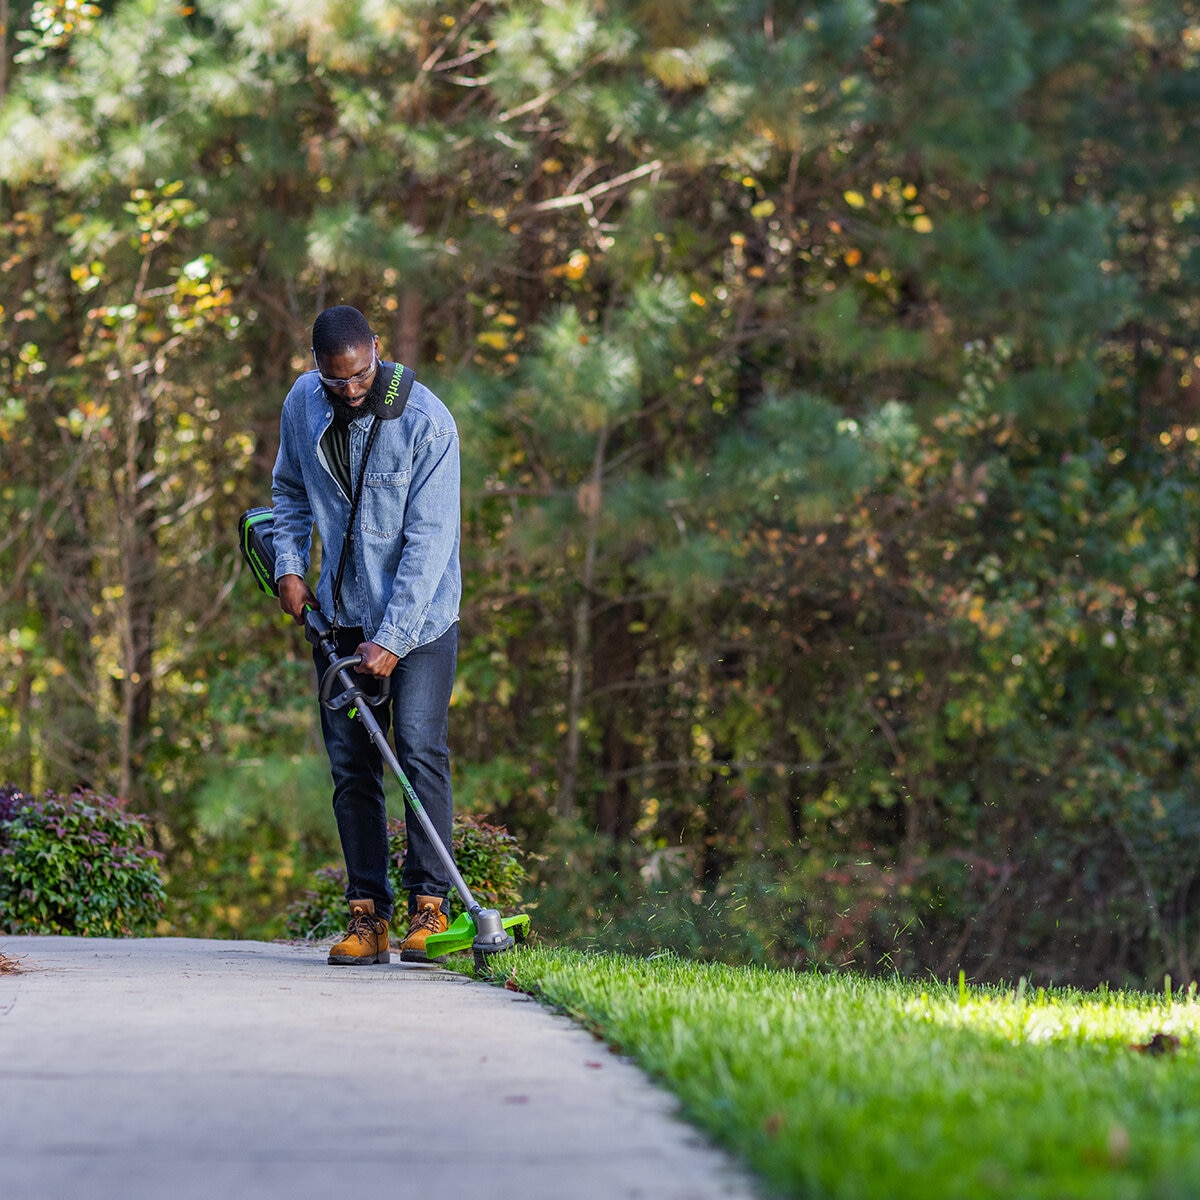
(394, 401)
(396, 396)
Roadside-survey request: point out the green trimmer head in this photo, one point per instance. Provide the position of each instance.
(464, 934)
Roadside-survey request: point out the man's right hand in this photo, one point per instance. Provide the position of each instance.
(295, 596)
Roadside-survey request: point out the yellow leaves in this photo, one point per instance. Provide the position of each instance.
(988, 623)
(763, 209)
(55, 24)
(239, 447)
(30, 356)
(201, 296)
(85, 419)
(575, 267)
(12, 413)
(899, 197)
(578, 264)
(499, 339)
(502, 336)
(87, 276)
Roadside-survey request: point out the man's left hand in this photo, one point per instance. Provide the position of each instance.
(376, 660)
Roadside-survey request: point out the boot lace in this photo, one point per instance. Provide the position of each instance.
(427, 917)
(364, 925)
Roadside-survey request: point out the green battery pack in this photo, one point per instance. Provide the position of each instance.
(256, 536)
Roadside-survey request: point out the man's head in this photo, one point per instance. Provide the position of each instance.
(346, 354)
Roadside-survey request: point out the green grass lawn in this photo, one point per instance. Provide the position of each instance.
(839, 1086)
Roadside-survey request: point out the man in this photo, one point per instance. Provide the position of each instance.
(397, 603)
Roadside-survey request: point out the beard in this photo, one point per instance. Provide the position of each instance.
(371, 404)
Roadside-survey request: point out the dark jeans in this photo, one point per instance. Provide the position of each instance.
(419, 712)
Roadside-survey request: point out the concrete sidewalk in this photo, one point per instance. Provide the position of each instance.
(177, 1068)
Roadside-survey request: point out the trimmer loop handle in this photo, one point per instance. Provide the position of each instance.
(319, 632)
(353, 692)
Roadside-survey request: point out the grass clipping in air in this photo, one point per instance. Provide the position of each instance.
(840, 1086)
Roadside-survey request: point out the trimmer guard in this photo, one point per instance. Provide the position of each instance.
(462, 932)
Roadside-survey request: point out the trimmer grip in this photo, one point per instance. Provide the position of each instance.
(351, 691)
(316, 627)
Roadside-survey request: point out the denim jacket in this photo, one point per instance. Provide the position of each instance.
(402, 581)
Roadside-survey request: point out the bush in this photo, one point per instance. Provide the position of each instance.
(76, 864)
(487, 855)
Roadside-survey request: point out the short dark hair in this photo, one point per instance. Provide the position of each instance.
(339, 329)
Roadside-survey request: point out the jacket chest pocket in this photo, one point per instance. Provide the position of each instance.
(385, 494)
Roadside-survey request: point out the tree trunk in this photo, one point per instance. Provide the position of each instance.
(591, 503)
(136, 573)
(615, 664)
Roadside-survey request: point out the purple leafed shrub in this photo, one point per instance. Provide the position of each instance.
(11, 799)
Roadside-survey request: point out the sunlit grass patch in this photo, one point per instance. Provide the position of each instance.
(1133, 1020)
(842, 1086)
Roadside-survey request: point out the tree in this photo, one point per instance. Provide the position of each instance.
(792, 347)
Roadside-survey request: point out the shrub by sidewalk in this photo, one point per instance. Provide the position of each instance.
(76, 864)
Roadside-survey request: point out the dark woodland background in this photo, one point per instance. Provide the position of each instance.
(828, 378)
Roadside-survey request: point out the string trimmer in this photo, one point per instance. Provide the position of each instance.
(482, 930)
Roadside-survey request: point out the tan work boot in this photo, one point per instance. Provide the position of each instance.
(430, 917)
(366, 939)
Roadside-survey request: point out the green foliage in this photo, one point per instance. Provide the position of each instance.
(76, 865)
(827, 383)
(492, 864)
(843, 1087)
(261, 826)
